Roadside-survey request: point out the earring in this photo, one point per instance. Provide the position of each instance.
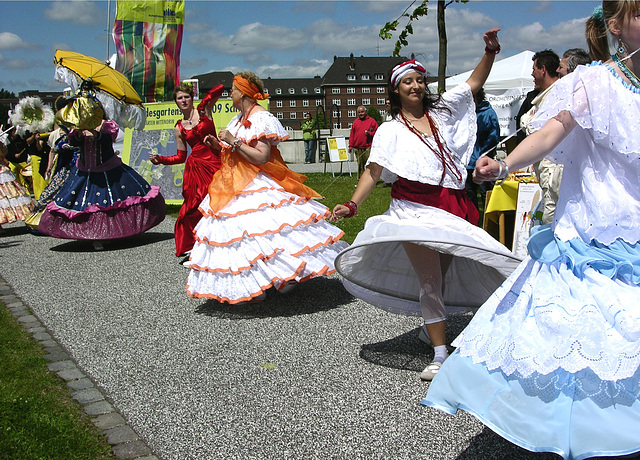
(621, 48)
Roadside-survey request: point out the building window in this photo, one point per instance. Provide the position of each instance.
(364, 77)
(304, 91)
(366, 101)
(336, 126)
(292, 91)
(351, 77)
(351, 101)
(366, 90)
(292, 103)
(335, 90)
(351, 113)
(225, 94)
(278, 104)
(266, 91)
(351, 90)
(279, 116)
(292, 115)
(318, 102)
(380, 89)
(379, 76)
(336, 101)
(305, 103)
(316, 90)
(381, 101)
(336, 114)
(278, 91)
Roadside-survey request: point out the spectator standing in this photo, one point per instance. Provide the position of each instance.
(361, 136)
(571, 59)
(308, 127)
(487, 138)
(545, 75)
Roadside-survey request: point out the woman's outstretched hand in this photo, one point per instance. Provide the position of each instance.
(491, 39)
(211, 141)
(339, 211)
(487, 169)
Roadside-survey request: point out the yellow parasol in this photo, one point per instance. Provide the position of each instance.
(120, 100)
(100, 74)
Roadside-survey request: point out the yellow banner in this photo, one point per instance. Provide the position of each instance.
(160, 11)
(158, 137)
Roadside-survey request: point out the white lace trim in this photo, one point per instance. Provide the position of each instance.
(553, 320)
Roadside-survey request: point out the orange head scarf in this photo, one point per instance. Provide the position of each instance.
(248, 89)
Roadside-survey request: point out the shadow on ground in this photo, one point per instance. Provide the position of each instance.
(143, 239)
(315, 295)
(406, 351)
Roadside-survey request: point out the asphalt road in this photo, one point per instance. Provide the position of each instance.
(312, 374)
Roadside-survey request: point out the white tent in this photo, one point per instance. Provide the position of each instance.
(508, 84)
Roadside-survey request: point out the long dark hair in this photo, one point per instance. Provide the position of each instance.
(429, 101)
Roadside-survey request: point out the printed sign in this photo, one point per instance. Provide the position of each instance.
(158, 137)
(529, 194)
(337, 147)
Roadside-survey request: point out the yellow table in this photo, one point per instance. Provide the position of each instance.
(501, 202)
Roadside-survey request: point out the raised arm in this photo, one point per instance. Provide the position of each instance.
(481, 72)
(531, 149)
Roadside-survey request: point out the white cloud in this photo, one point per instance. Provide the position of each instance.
(300, 69)
(249, 39)
(15, 64)
(77, 12)
(10, 41)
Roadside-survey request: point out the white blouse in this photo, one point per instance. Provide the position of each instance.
(600, 192)
(401, 152)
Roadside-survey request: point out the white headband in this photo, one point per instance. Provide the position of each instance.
(401, 70)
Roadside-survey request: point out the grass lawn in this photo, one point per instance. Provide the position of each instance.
(337, 190)
(38, 417)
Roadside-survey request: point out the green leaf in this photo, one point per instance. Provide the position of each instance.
(269, 366)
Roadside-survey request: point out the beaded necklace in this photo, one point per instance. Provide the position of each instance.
(443, 153)
(626, 70)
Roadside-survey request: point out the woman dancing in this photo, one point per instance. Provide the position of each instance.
(427, 241)
(200, 165)
(102, 199)
(551, 361)
(260, 225)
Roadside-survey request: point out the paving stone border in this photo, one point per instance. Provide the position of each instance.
(124, 440)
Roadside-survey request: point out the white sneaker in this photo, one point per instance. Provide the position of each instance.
(430, 372)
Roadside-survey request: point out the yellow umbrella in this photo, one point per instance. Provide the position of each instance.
(99, 75)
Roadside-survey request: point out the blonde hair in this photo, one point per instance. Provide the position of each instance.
(597, 28)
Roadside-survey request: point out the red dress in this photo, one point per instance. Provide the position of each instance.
(199, 168)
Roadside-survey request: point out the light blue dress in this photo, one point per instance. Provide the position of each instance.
(551, 361)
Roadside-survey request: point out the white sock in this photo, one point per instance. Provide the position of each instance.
(441, 354)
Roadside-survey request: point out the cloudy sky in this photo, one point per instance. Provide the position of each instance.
(282, 39)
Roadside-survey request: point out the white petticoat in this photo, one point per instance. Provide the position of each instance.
(377, 269)
(264, 237)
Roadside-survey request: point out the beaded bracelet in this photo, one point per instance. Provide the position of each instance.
(236, 144)
(503, 164)
(487, 50)
(353, 208)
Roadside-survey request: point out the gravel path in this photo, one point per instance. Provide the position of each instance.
(311, 374)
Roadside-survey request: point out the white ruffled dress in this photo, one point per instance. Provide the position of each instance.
(551, 360)
(376, 268)
(264, 237)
